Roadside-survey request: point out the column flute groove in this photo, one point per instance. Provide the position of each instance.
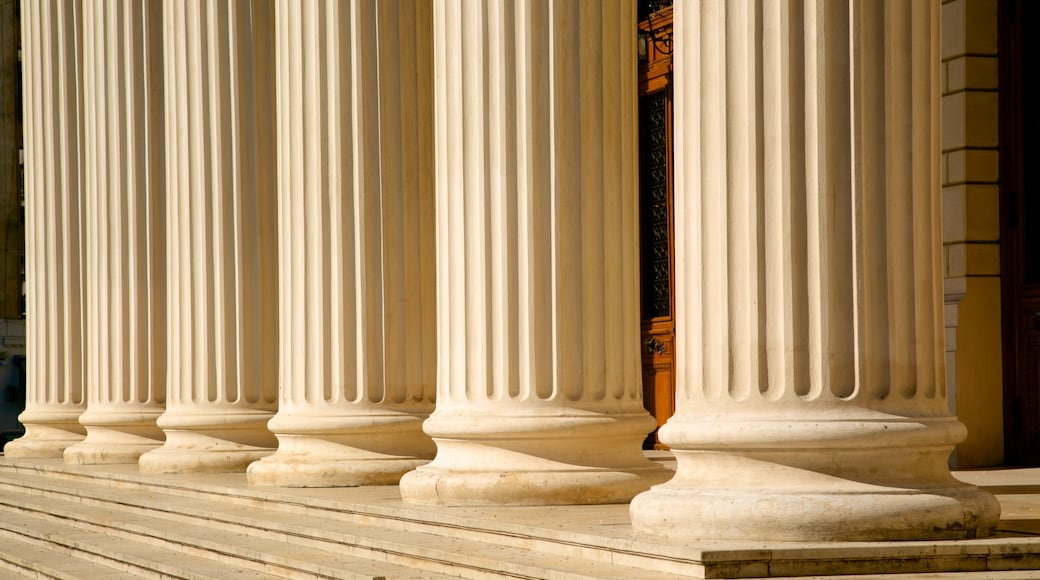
(54, 251)
(539, 384)
(219, 65)
(357, 340)
(125, 233)
(844, 433)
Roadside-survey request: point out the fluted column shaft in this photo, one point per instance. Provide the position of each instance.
(221, 236)
(538, 390)
(125, 232)
(811, 396)
(53, 108)
(356, 258)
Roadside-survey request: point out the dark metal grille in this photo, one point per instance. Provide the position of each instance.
(653, 203)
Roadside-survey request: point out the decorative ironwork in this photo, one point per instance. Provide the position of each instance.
(647, 7)
(653, 167)
(654, 346)
(660, 37)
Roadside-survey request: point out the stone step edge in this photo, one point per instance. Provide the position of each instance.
(119, 562)
(360, 545)
(718, 559)
(214, 552)
(415, 557)
(10, 560)
(632, 553)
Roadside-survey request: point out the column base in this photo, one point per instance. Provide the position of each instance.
(47, 434)
(342, 470)
(554, 459)
(115, 437)
(840, 480)
(210, 443)
(343, 450)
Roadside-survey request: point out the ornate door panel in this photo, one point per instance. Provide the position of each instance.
(656, 215)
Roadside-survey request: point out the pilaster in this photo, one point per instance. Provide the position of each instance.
(125, 232)
(54, 181)
(356, 258)
(222, 272)
(539, 379)
(811, 396)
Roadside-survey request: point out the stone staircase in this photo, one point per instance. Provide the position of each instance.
(118, 524)
(76, 522)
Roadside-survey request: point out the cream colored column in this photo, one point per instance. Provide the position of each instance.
(53, 102)
(356, 259)
(125, 232)
(812, 403)
(538, 391)
(222, 274)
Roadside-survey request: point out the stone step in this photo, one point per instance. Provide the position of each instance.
(372, 523)
(60, 549)
(382, 506)
(20, 558)
(202, 539)
(200, 524)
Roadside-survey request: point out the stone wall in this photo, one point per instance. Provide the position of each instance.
(971, 226)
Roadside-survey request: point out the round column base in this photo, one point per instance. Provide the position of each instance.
(47, 433)
(953, 513)
(210, 443)
(343, 448)
(115, 436)
(214, 457)
(431, 486)
(300, 470)
(553, 458)
(862, 477)
(44, 442)
(108, 452)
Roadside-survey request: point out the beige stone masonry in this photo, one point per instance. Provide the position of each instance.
(357, 254)
(971, 224)
(54, 258)
(222, 274)
(810, 382)
(539, 378)
(125, 232)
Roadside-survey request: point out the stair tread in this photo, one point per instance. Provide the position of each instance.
(72, 542)
(291, 526)
(37, 562)
(207, 543)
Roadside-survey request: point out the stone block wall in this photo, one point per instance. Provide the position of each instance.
(971, 226)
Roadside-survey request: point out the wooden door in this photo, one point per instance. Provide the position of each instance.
(1020, 228)
(656, 215)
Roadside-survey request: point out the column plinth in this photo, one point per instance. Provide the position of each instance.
(355, 160)
(115, 436)
(125, 233)
(326, 450)
(221, 232)
(54, 257)
(810, 387)
(210, 440)
(539, 385)
(542, 457)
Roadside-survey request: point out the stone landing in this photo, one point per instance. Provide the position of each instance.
(65, 521)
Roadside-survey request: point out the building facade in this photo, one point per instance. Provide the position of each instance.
(398, 242)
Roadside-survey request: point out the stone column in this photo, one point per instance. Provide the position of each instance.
(538, 390)
(221, 236)
(125, 233)
(356, 260)
(53, 101)
(812, 404)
